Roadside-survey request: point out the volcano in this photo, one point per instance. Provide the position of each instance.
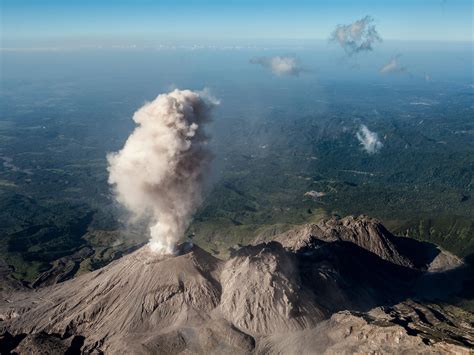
(339, 286)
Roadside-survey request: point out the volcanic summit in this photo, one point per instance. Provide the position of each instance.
(339, 286)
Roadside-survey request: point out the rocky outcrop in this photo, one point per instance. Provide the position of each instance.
(365, 232)
(381, 331)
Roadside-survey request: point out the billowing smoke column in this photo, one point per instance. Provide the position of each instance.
(159, 173)
(369, 140)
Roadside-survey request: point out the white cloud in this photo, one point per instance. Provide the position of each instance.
(394, 67)
(280, 65)
(369, 140)
(359, 36)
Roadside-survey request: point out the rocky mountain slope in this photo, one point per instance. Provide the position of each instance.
(340, 286)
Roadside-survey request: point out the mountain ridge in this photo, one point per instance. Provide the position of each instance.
(328, 277)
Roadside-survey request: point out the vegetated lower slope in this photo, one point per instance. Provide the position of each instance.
(338, 286)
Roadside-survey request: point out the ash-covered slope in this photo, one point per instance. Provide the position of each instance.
(306, 288)
(263, 292)
(127, 299)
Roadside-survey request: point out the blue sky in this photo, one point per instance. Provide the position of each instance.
(69, 22)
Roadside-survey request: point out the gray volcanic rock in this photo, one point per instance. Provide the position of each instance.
(331, 293)
(42, 343)
(366, 232)
(377, 333)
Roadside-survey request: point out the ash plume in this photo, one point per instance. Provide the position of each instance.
(359, 36)
(279, 65)
(159, 173)
(369, 140)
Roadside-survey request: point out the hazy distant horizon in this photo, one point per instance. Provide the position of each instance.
(60, 23)
(241, 43)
